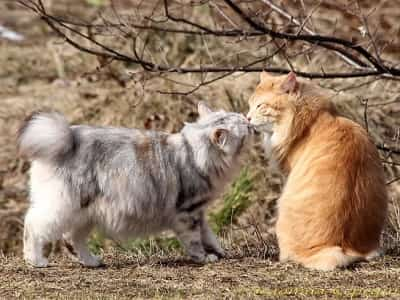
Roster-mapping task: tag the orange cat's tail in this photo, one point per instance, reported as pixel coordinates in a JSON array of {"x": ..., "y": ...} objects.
[{"x": 330, "y": 258}]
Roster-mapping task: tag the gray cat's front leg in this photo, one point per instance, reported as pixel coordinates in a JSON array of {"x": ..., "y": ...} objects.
[
  {"x": 209, "y": 239},
  {"x": 188, "y": 230}
]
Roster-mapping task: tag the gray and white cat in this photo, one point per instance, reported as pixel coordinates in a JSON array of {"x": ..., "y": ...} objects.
[{"x": 127, "y": 182}]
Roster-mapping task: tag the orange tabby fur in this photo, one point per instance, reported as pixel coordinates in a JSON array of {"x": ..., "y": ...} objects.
[{"x": 334, "y": 204}]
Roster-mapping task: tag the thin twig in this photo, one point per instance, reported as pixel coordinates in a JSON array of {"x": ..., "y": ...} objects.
[
  {"x": 315, "y": 39},
  {"x": 393, "y": 180},
  {"x": 374, "y": 67}
]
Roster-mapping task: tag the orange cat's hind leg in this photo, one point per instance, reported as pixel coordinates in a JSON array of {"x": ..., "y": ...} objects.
[{"x": 328, "y": 259}]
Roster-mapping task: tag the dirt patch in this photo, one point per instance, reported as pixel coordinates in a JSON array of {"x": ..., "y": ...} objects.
[{"x": 160, "y": 278}]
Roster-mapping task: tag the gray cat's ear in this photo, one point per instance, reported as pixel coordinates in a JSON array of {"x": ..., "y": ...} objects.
[
  {"x": 219, "y": 136},
  {"x": 203, "y": 109},
  {"x": 290, "y": 84}
]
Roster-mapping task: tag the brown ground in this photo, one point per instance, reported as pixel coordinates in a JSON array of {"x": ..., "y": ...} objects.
[
  {"x": 243, "y": 278},
  {"x": 42, "y": 73}
]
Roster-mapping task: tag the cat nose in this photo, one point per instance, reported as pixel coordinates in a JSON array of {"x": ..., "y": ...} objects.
[{"x": 248, "y": 118}]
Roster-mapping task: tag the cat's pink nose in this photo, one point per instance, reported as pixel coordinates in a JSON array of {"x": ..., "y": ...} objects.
[{"x": 248, "y": 118}]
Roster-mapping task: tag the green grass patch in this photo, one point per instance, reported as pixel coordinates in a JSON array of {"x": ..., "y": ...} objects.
[
  {"x": 96, "y": 242},
  {"x": 235, "y": 202},
  {"x": 138, "y": 247},
  {"x": 97, "y": 2},
  {"x": 150, "y": 246}
]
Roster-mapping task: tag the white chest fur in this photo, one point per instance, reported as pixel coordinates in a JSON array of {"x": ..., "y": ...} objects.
[{"x": 269, "y": 141}]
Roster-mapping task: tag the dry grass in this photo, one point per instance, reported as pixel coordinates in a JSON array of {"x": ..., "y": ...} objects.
[
  {"x": 171, "y": 278},
  {"x": 41, "y": 73}
]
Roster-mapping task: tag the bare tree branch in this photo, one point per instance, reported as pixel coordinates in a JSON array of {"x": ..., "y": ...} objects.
[
  {"x": 315, "y": 39},
  {"x": 347, "y": 57},
  {"x": 55, "y": 23},
  {"x": 269, "y": 45}
]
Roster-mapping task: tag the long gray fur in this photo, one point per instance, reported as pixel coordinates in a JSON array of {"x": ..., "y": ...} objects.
[{"x": 131, "y": 182}]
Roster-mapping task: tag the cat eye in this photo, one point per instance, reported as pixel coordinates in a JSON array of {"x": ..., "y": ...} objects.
[{"x": 259, "y": 105}]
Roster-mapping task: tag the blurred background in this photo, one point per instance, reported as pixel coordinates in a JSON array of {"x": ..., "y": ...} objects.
[{"x": 40, "y": 69}]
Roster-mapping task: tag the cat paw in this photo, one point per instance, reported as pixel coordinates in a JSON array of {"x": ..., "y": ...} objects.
[
  {"x": 374, "y": 255},
  {"x": 199, "y": 259},
  {"x": 91, "y": 261},
  {"x": 37, "y": 262},
  {"x": 218, "y": 251},
  {"x": 204, "y": 259},
  {"x": 211, "y": 258},
  {"x": 284, "y": 258}
]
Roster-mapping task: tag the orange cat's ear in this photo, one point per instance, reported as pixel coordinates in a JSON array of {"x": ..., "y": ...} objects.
[
  {"x": 290, "y": 84},
  {"x": 203, "y": 109},
  {"x": 264, "y": 76},
  {"x": 219, "y": 136}
]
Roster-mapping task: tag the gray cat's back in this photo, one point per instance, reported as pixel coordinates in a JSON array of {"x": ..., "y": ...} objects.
[
  {"x": 117, "y": 146},
  {"x": 120, "y": 159}
]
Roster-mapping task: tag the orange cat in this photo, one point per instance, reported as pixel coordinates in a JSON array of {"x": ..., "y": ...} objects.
[{"x": 334, "y": 205}]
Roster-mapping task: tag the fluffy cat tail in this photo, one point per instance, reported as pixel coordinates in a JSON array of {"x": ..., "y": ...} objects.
[
  {"x": 45, "y": 136},
  {"x": 330, "y": 258}
]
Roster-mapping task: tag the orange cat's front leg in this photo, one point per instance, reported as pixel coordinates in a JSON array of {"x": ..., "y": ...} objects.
[{"x": 285, "y": 254}]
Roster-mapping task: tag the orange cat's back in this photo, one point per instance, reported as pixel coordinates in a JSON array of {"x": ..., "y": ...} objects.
[{"x": 364, "y": 205}]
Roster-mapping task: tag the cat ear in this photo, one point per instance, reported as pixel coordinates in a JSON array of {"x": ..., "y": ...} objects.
[
  {"x": 290, "y": 84},
  {"x": 203, "y": 109},
  {"x": 264, "y": 76},
  {"x": 219, "y": 136}
]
